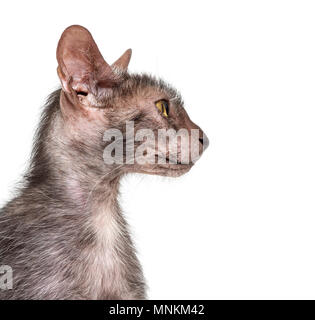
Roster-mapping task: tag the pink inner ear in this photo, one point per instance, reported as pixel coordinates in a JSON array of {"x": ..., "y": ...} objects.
[{"x": 81, "y": 63}]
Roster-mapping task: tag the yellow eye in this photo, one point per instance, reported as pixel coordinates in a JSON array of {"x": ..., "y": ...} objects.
[{"x": 162, "y": 105}]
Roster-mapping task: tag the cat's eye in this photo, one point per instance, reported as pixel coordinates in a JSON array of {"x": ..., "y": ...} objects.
[{"x": 162, "y": 105}]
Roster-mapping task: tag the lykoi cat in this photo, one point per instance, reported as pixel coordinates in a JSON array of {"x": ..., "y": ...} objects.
[{"x": 64, "y": 235}]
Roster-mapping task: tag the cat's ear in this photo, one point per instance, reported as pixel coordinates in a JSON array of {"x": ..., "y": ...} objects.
[
  {"x": 81, "y": 67},
  {"x": 123, "y": 62}
]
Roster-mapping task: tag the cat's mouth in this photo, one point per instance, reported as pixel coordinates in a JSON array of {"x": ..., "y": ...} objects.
[
  {"x": 167, "y": 160},
  {"x": 170, "y": 168}
]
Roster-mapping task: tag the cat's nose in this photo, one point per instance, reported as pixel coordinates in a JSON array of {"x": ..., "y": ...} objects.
[
  {"x": 204, "y": 141},
  {"x": 202, "y": 146}
]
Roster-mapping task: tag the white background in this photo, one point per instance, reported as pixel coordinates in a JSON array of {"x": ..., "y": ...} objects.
[{"x": 241, "y": 223}]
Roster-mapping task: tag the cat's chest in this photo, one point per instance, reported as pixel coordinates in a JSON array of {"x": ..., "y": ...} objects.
[{"x": 105, "y": 266}]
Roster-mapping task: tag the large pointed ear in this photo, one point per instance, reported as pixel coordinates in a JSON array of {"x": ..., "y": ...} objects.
[
  {"x": 81, "y": 67},
  {"x": 122, "y": 63}
]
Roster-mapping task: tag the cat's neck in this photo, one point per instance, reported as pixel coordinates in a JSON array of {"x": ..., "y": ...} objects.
[
  {"x": 63, "y": 178},
  {"x": 71, "y": 191},
  {"x": 66, "y": 169},
  {"x": 108, "y": 259}
]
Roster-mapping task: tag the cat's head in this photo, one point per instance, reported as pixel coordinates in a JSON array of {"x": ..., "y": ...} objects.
[{"x": 138, "y": 121}]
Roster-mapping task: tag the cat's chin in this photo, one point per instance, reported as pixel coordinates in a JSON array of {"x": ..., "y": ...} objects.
[{"x": 168, "y": 170}]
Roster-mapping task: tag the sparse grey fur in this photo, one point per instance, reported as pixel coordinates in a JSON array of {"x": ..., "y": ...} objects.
[
  {"x": 64, "y": 234},
  {"x": 46, "y": 233}
]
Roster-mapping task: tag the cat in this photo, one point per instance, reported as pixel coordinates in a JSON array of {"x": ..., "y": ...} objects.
[{"x": 64, "y": 235}]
